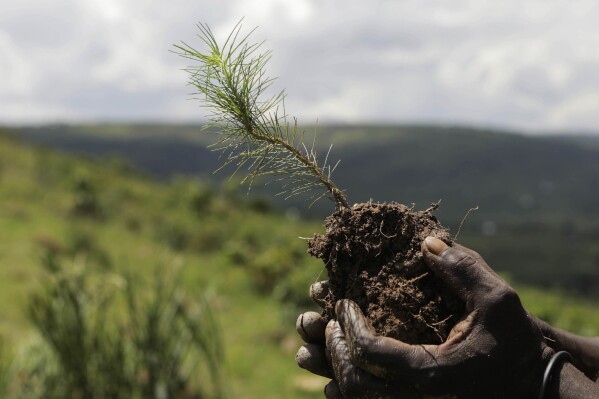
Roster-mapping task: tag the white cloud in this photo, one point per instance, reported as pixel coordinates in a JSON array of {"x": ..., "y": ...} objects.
[
  {"x": 581, "y": 109},
  {"x": 524, "y": 64},
  {"x": 16, "y": 72}
]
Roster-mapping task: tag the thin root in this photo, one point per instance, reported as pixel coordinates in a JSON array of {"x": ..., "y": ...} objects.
[
  {"x": 463, "y": 220},
  {"x": 383, "y": 234}
]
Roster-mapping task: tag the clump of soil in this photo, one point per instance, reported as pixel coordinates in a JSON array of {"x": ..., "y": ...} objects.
[{"x": 373, "y": 257}]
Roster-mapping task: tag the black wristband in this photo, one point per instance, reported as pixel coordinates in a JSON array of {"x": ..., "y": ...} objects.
[{"x": 551, "y": 366}]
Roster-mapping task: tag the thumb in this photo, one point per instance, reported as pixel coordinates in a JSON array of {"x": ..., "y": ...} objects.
[{"x": 464, "y": 274}]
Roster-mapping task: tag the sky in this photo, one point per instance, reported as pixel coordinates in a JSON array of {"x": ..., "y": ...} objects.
[{"x": 531, "y": 65}]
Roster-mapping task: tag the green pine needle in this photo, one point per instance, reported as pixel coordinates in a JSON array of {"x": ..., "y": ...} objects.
[{"x": 255, "y": 132}]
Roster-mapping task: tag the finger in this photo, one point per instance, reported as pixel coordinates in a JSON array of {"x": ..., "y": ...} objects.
[
  {"x": 319, "y": 292},
  {"x": 312, "y": 358},
  {"x": 352, "y": 381},
  {"x": 337, "y": 349},
  {"x": 466, "y": 276},
  {"x": 382, "y": 356},
  {"x": 353, "y": 322},
  {"x": 310, "y": 327}
]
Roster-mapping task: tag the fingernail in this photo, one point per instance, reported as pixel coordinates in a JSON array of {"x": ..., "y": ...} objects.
[{"x": 435, "y": 245}]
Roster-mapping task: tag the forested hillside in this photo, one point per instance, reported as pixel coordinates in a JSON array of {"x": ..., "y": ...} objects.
[{"x": 504, "y": 173}]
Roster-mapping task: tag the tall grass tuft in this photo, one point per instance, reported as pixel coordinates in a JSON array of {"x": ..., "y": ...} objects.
[{"x": 112, "y": 337}]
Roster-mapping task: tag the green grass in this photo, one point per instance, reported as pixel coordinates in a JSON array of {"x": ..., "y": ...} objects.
[
  {"x": 562, "y": 310},
  {"x": 248, "y": 259},
  {"x": 142, "y": 224}
]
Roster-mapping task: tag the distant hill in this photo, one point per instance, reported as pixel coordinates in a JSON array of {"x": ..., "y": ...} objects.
[
  {"x": 534, "y": 193},
  {"x": 505, "y": 174}
]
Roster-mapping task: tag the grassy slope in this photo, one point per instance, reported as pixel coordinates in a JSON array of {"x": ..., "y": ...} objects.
[
  {"x": 141, "y": 218},
  {"x": 251, "y": 260}
]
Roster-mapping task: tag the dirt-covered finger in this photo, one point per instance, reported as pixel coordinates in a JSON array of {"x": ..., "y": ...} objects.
[
  {"x": 352, "y": 381},
  {"x": 310, "y": 327},
  {"x": 319, "y": 292},
  {"x": 352, "y": 319},
  {"x": 337, "y": 351},
  {"x": 381, "y": 356},
  {"x": 311, "y": 357}
]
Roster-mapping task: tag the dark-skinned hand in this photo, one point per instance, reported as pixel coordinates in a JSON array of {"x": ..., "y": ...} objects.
[{"x": 496, "y": 351}]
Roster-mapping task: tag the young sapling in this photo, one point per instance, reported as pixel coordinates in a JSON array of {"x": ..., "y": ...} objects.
[
  {"x": 254, "y": 129},
  {"x": 371, "y": 250}
]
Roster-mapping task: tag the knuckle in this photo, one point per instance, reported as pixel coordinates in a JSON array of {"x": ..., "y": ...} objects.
[
  {"x": 463, "y": 260},
  {"x": 509, "y": 296},
  {"x": 506, "y": 297}
]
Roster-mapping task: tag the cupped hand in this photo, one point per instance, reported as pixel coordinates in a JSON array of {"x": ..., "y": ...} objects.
[
  {"x": 314, "y": 357},
  {"x": 496, "y": 350}
]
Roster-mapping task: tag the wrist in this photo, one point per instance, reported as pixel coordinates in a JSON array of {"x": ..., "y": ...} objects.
[
  {"x": 571, "y": 383},
  {"x": 584, "y": 350},
  {"x": 568, "y": 382},
  {"x": 552, "y": 375},
  {"x": 526, "y": 375},
  {"x": 538, "y": 372}
]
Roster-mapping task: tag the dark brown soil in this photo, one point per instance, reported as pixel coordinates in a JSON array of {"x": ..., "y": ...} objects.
[{"x": 372, "y": 255}]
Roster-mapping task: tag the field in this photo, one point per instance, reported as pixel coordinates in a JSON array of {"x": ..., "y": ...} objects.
[{"x": 245, "y": 253}]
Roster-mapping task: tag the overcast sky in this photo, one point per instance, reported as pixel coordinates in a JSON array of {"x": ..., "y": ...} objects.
[{"x": 531, "y": 64}]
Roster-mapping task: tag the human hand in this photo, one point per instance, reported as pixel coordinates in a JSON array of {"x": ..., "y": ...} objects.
[
  {"x": 314, "y": 358},
  {"x": 584, "y": 350},
  {"x": 495, "y": 351},
  {"x": 313, "y": 355},
  {"x": 311, "y": 327}
]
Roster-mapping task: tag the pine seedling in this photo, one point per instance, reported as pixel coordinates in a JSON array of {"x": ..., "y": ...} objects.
[
  {"x": 255, "y": 132},
  {"x": 372, "y": 251}
]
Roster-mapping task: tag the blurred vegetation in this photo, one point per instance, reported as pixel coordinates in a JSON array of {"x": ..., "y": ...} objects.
[
  {"x": 537, "y": 196},
  {"x": 228, "y": 245},
  {"x": 156, "y": 343},
  {"x": 125, "y": 231}
]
